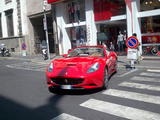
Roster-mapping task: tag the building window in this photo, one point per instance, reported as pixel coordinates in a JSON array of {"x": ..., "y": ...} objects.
[
  {"x": 77, "y": 36},
  {"x": 149, "y": 4},
  {"x": 150, "y": 27},
  {"x": 75, "y": 11},
  {"x": 0, "y": 27},
  {"x": 9, "y": 19},
  {"x": 150, "y": 24},
  {"x": 7, "y": 1},
  {"x": 114, "y": 33}
]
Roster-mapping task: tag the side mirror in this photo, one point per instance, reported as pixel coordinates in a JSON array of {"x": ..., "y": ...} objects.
[
  {"x": 69, "y": 51},
  {"x": 64, "y": 55},
  {"x": 112, "y": 53}
]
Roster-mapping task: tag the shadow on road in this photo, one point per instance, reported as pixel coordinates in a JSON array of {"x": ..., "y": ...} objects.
[
  {"x": 11, "y": 110},
  {"x": 77, "y": 92}
]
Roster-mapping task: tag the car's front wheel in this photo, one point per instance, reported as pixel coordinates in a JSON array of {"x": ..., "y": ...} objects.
[{"x": 105, "y": 79}]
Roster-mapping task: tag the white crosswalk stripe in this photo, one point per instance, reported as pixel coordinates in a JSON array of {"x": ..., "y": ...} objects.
[
  {"x": 123, "y": 111},
  {"x": 65, "y": 116},
  {"x": 137, "y": 78},
  {"x": 150, "y": 74},
  {"x": 140, "y": 86},
  {"x": 133, "y": 96},
  {"x": 120, "y": 110},
  {"x": 150, "y": 70}
]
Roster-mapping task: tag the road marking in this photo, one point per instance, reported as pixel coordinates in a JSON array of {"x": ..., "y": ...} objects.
[
  {"x": 133, "y": 96},
  {"x": 136, "y": 78},
  {"x": 65, "y": 116},
  {"x": 120, "y": 110},
  {"x": 128, "y": 73},
  {"x": 150, "y": 74},
  {"x": 150, "y": 70},
  {"x": 140, "y": 86}
]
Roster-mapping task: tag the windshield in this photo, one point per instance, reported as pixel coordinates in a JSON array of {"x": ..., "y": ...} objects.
[{"x": 87, "y": 52}]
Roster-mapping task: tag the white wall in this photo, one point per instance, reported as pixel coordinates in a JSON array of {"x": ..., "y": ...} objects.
[
  {"x": 63, "y": 38},
  {"x": 35, "y": 6},
  {"x": 4, "y": 7},
  {"x": 24, "y": 17},
  {"x": 11, "y": 42},
  {"x": 90, "y": 23}
]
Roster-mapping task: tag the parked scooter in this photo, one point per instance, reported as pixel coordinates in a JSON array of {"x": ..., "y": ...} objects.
[
  {"x": 44, "y": 53},
  {"x": 4, "y": 52},
  {"x": 44, "y": 50}
]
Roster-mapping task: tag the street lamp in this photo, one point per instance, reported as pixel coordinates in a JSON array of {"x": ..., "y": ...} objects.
[{"x": 45, "y": 27}]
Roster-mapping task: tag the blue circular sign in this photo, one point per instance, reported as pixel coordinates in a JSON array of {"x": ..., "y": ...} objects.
[{"x": 132, "y": 42}]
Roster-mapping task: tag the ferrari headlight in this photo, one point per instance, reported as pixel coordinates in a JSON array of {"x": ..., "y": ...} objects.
[
  {"x": 93, "y": 68},
  {"x": 50, "y": 67}
]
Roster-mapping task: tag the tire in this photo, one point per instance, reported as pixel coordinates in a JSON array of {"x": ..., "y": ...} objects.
[
  {"x": 154, "y": 50},
  {"x": 105, "y": 79},
  {"x": 144, "y": 51},
  {"x": 45, "y": 57},
  {"x": 8, "y": 54},
  {"x": 116, "y": 66},
  {"x": 50, "y": 89}
]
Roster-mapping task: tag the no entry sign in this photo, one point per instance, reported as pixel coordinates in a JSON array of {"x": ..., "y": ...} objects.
[{"x": 132, "y": 42}]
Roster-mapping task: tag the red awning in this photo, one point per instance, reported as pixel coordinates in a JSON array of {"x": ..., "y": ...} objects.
[{"x": 53, "y": 1}]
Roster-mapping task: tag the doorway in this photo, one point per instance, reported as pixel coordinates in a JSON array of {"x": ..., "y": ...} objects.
[
  {"x": 108, "y": 33},
  {"x": 39, "y": 33}
]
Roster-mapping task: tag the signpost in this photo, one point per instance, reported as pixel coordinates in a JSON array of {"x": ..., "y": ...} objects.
[
  {"x": 45, "y": 27},
  {"x": 132, "y": 43}
]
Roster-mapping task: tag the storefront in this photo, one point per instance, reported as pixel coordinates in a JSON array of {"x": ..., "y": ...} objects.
[{"x": 92, "y": 22}]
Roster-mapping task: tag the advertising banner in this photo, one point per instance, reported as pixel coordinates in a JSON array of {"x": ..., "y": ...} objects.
[
  {"x": 104, "y": 10},
  {"x": 53, "y": 1},
  {"x": 148, "y": 39}
]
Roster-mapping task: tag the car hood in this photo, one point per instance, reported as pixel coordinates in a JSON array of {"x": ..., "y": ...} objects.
[{"x": 74, "y": 65}]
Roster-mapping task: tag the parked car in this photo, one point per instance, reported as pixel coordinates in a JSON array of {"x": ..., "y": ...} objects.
[{"x": 84, "y": 67}]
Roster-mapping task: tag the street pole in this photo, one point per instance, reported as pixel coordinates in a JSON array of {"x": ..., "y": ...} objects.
[
  {"x": 55, "y": 31},
  {"x": 45, "y": 28}
]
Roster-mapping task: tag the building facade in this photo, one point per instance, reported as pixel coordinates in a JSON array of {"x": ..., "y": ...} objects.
[
  {"x": 91, "y": 22},
  {"x": 35, "y": 23},
  {"x": 12, "y": 24},
  {"x": 21, "y": 25}
]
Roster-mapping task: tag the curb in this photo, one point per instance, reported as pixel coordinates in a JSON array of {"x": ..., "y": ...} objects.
[
  {"x": 140, "y": 67},
  {"x": 14, "y": 58},
  {"x": 151, "y": 58}
]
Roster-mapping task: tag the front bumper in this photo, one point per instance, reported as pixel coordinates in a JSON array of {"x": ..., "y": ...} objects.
[{"x": 89, "y": 81}]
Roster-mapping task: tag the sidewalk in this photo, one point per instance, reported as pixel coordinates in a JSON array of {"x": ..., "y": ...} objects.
[
  {"x": 34, "y": 58},
  {"x": 148, "y": 62}
]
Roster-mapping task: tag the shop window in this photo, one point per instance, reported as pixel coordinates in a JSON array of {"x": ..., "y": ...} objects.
[
  {"x": 150, "y": 34},
  {"x": 0, "y": 27},
  {"x": 113, "y": 35},
  {"x": 150, "y": 24},
  {"x": 75, "y": 11},
  {"x": 9, "y": 19},
  {"x": 149, "y": 4},
  {"x": 77, "y": 36},
  {"x": 105, "y": 9}
]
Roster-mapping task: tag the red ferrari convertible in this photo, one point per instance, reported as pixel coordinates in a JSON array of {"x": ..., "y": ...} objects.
[{"x": 84, "y": 67}]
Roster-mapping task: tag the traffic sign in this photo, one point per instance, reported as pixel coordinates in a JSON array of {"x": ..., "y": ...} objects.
[{"x": 132, "y": 42}]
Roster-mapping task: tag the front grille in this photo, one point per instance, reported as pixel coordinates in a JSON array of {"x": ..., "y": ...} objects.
[{"x": 67, "y": 81}]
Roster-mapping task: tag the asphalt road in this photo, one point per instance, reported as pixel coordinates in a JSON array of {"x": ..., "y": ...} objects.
[{"x": 132, "y": 94}]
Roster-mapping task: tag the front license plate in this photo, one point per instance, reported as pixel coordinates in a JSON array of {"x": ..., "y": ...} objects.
[{"x": 67, "y": 87}]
